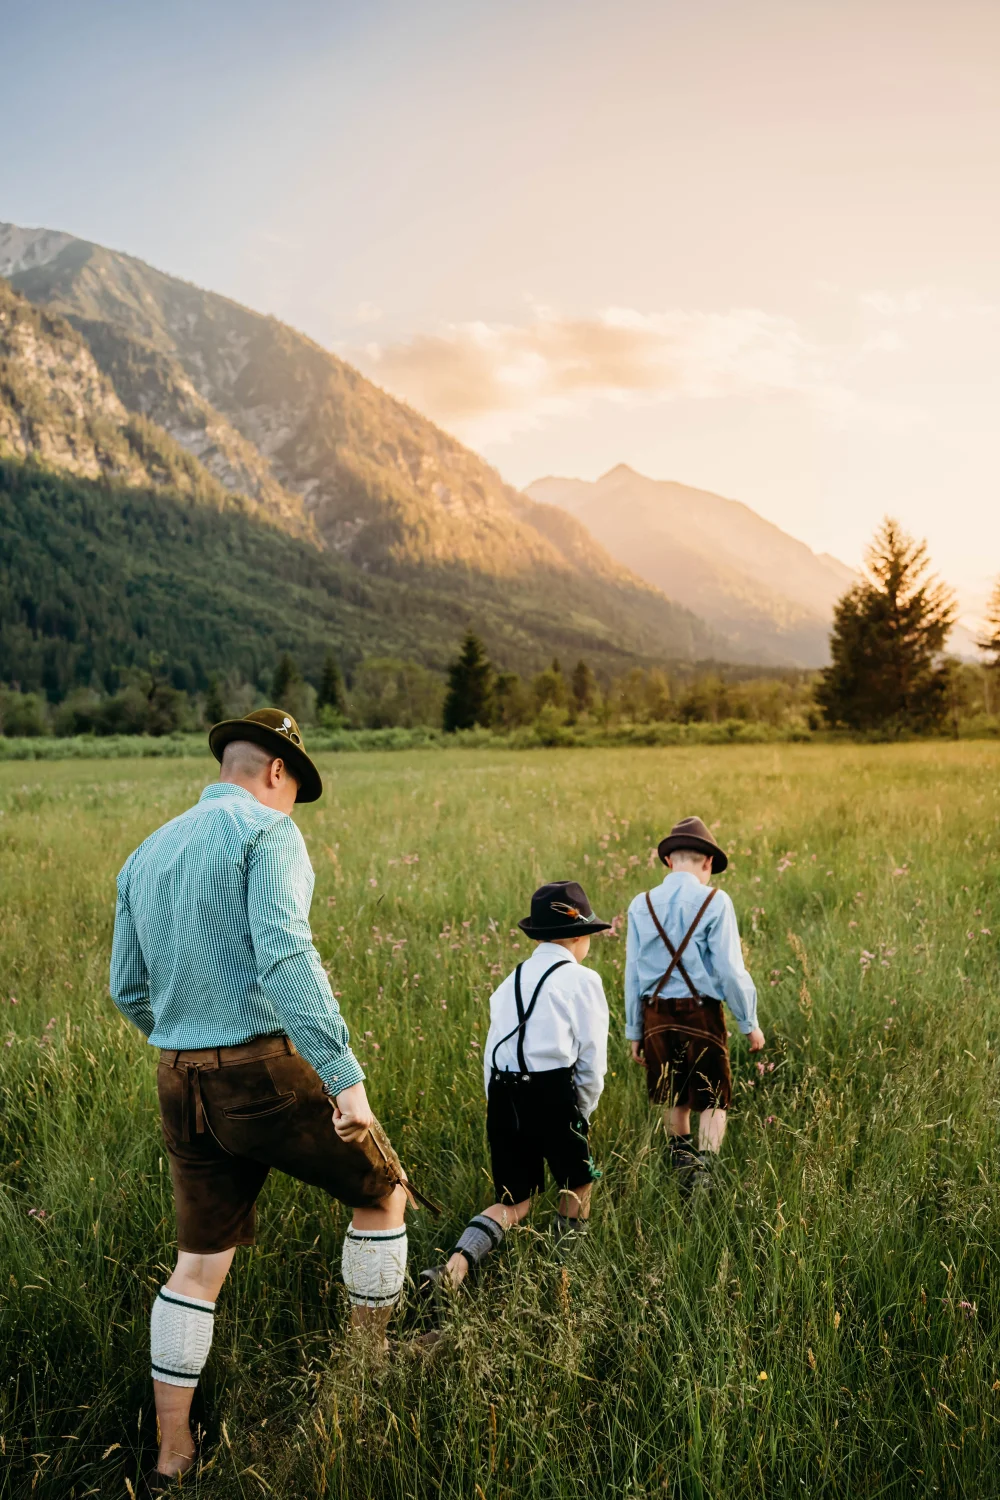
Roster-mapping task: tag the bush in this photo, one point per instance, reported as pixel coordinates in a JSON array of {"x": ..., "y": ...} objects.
[{"x": 23, "y": 714}]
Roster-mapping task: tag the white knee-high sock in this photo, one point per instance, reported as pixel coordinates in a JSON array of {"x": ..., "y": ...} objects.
[
  {"x": 180, "y": 1336},
  {"x": 373, "y": 1265}
]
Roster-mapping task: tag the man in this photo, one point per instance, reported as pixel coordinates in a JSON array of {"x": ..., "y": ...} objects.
[
  {"x": 213, "y": 960},
  {"x": 682, "y": 959}
]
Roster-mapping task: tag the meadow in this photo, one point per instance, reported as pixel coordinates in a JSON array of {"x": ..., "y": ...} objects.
[{"x": 825, "y": 1326}]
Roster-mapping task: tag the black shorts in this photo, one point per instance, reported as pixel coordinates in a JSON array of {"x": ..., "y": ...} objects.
[{"x": 531, "y": 1119}]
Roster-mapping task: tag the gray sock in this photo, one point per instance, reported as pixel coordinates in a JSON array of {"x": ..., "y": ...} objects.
[
  {"x": 566, "y": 1231},
  {"x": 480, "y": 1237}
]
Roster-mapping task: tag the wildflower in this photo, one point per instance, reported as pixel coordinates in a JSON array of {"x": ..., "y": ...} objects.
[
  {"x": 771, "y": 1120},
  {"x": 372, "y": 881},
  {"x": 762, "y": 1375},
  {"x": 37, "y": 1213},
  {"x": 968, "y": 1308}
]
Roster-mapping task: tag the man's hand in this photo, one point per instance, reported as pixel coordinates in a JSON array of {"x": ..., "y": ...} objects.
[
  {"x": 756, "y": 1040},
  {"x": 637, "y": 1056},
  {"x": 352, "y": 1114}
]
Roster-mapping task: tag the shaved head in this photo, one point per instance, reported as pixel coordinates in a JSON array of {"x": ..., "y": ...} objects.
[{"x": 245, "y": 760}]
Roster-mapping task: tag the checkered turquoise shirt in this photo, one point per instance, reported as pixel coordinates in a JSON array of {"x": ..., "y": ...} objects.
[{"x": 212, "y": 942}]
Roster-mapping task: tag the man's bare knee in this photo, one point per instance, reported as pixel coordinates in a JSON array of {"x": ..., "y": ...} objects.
[{"x": 387, "y": 1213}]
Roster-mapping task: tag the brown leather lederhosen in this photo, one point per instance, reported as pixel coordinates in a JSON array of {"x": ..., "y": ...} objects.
[{"x": 685, "y": 1046}]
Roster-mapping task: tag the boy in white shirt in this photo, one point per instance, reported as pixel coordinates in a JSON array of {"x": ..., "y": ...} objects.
[{"x": 544, "y": 1062}]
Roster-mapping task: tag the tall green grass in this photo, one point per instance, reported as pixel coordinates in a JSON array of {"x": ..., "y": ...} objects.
[{"x": 849, "y": 1256}]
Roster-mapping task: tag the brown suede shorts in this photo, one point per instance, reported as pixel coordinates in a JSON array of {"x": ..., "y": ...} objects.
[
  {"x": 686, "y": 1052},
  {"x": 229, "y": 1115}
]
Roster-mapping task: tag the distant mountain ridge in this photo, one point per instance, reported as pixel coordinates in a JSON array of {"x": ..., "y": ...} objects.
[
  {"x": 767, "y": 592},
  {"x": 303, "y": 443}
]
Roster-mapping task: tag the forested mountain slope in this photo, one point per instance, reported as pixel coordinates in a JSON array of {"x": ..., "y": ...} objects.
[
  {"x": 326, "y": 453},
  {"x": 117, "y": 545}
]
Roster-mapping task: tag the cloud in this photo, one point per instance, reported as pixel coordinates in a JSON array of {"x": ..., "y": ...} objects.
[{"x": 490, "y": 380}]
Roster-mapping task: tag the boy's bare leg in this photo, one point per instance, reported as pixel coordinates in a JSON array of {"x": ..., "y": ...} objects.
[
  {"x": 677, "y": 1120},
  {"x": 198, "y": 1276},
  {"x": 370, "y": 1323},
  {"x": 574, "y": 1203},
  {"x": 505, "y": 1214},
  {"x": 711, "y": 1129}
]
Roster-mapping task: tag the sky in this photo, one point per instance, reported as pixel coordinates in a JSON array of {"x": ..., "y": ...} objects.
[{"x": 746, "y": 244}]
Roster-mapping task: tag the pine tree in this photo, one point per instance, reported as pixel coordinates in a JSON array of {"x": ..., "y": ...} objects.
[
  {"x": 990, "y": 639},
  {"x": 583, "y": 687},
  {"x": 467, "y": 702},
  {"x": 888, "y": 633},
  {"x": 215, "y": 703},
  {"x": 286, "y": 675},
  {"x": 331, "y": 686}
]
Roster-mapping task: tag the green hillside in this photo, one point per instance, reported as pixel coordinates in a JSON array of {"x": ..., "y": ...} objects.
[
  {"x": 323, "y": 451},
  {"x": 94, "y": 578}
]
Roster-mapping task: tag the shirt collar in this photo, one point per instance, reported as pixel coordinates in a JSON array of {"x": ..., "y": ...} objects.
[
  {"x": 556, "y": 950},
  {"x": 226, "y": 789}
]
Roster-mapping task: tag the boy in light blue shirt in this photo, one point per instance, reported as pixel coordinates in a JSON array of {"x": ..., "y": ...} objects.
[{"x": 683, "y": 959}]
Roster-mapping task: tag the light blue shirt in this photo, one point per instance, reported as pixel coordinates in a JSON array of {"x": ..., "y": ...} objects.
[
  {"x": 212, "y": 941},
  {"x": 713, "y": 958}
]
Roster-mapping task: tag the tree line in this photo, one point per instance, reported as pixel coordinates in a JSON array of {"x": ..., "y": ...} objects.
[{"x": 888, "y": 674}]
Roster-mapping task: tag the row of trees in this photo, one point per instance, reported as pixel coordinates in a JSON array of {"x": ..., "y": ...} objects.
[
  {"x": 888, "y": 673},
  {"x": 478, "y": 695}
]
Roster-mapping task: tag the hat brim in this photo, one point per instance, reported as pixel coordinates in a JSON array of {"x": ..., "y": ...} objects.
[
  {"x": 301, "y": 767},
  {"x": 690, "y": 841},
  {"x": 571, "y": 929}
]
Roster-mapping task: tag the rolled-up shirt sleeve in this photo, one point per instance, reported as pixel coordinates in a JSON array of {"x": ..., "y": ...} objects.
[
  {"x": 129, "y": 975},
  {"x": 726, "y": 958},
  {"x": 289, "y": 969},
  {"x": 633, "y": 999}
]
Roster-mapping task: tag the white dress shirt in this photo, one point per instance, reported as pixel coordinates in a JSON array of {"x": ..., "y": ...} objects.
[{"x": 568, "y": 1026}]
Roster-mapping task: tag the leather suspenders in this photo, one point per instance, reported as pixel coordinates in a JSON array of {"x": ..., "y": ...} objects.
[
  {"x": 676, "y": 954},
  {"x": 524, "y": 1016}
]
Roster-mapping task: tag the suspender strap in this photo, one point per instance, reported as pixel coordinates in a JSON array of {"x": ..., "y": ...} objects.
[
  {"x": 524, "y": 1016},
  {"x": 677, "y": 953}
]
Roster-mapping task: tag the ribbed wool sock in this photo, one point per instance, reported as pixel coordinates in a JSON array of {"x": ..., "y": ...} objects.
[
  {"x": 480, "y": 1237},
  {"x": 373, "y": 1265},
  {"x": 180, "y": 1336}
]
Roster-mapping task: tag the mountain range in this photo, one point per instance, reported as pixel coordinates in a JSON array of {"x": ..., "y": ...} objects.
[
  {"x": 392, "y": 535},
  {"x": 766, "y": 593}
]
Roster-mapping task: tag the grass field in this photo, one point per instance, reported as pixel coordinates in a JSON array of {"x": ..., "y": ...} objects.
[{"x": 826, "y": 1327}]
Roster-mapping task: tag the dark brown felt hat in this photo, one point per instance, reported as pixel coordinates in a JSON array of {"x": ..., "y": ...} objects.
[
  {"x": 561, "y": 910},
  {"x": 691, "y": 833},
  {"x": 276, "y": 731}
]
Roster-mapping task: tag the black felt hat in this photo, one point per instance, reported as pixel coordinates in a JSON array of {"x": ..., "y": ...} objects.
[
  {"x": 276, "y": 731},
  {"x": 691, "y": 833},
  {"x": 561, "y": 910}
]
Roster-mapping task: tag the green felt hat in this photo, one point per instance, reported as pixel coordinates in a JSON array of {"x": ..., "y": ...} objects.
[{"x": 276, "y": 731}]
